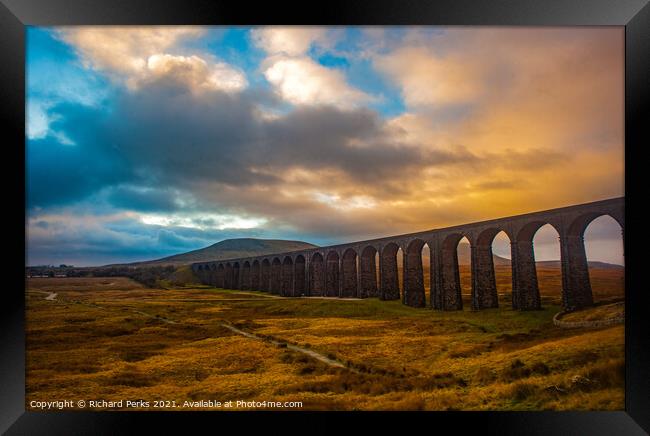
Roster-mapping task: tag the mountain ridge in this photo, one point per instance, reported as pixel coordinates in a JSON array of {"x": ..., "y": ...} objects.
[{"x": 228, "y": 249}]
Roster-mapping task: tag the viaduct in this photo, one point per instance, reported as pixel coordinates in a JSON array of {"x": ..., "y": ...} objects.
[{"x": 350, "y": 270}]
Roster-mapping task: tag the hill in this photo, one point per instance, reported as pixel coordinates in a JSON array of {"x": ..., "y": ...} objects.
[
  {"x": 228, "y": 249},
  {"x": 464, "y": 259},
  {"x": 464, "y": 255}
]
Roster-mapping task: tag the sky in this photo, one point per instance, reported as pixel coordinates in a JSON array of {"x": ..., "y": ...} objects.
[{"x": 144, "y": 142}]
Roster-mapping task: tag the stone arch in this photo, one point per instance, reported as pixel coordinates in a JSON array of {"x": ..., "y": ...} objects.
[
  {"x": 595, "y": 245},
  {"x": 211, "y": 276},
  {"x": 221, "y": 276},
  {"x": 349, "y": 279},
  {"x": 332, "y": 278},
  {"x": 451, "y": 291},
  {"x": 414, "y": 294},
  {"x": 255, "y": 275},
  {"x": 527, "y": 232},
  {"x": 286, "y": 289},
  {"x": 236, "y": 277},
  {"x": 317, "y": 275},
  {"x": 579, "y": 224},
  {"x": 389, "y": 272},
  {"x": 275, "y": 279},
  {"x": 265, "y": 276},
  {"x": 228, "y": 280},
  {"x": 246, "y": 275},
  {"x": 201, "y": 274},
  {"x": 368, "y": 273},
  {"x": 576, "y": 283},
  {"x": 484, "y": 284},
  {"x": 299, "y": 276},
  {"x": 525, "y": 286}
]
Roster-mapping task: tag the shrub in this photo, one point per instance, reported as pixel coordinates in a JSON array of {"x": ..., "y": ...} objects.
[
  {"x": 608, "y": 374},
  {"x": 540, "y": 368},
  {"x": 522, "y": 390},
  {"x": 485, "y": 376},
  {"x": 516, "y": 370},
  {"x": 307, "y": 369}
]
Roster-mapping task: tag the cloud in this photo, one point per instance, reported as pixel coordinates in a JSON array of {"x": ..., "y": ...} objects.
[
  {"x": 301, "y": 81},
  {"x": 426, "y": 79},
  {"x": 142, "y": 54},
  {"x": 162, "y": 135},
  {"x": 196, "y": 73},
  {"x": 296, "y": 77},
  {"x": 74, "y": 236},
  {"x": 144, "y": 198},
  {"x": 291, "y": 41},
  {"x": 124, "y": 49},
  {"x": 493, "y": 87}
]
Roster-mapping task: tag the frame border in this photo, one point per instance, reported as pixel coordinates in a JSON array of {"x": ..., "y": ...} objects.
[{"x": 633, "y": 14}]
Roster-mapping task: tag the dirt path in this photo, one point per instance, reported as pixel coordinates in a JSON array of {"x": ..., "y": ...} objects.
[
  {"x": 311, "y": 353},
  {"x": 302, "y": 350},
  {"x": 50, "y": 295}
]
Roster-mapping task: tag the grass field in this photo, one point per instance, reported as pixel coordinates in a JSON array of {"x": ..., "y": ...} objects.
[{"x": 113, "y": 340}]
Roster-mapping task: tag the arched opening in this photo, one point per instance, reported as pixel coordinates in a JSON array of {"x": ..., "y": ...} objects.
[
  {"x": 548, "y": 265},
  {"x": 275, "y": 281},
  {"x": 414, "y": 294},
  {"x": 594, "y": 243},
  {"x": 332, "y": 275},
  {"x": 536, "y": 266},
  {"x": 228, "y": 280},
  {"x": 451, "y": 297},
  {"x": 265, "y": 276},
  {"x": 349, "y": 273},
  {"x": 211, "y": 274},
  {"x": 287, "y": 277},
  {"x": 255, "y": 275},
  {"x": 390, "y": 282},
  {"x": 491, "y": 272},
  {"x": 368, "y": 273},
  {"x": 299, "y": 282},
  {"x": 464, "y": 253},
  {"x": 399, "y": 257},
  {"x": 502, "y": 260},
  {"x": 317, "y": 275},
  {"x": 200, "y": 274},
  {"x": 221, "y": 276},
  {"x": 246, "y": 276},
  {"x": 426, "y": 272},
  {"x": 236, "y": 278}
]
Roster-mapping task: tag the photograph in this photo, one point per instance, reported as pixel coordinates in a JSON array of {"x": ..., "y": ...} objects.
[{"x": 325, "y": 218}]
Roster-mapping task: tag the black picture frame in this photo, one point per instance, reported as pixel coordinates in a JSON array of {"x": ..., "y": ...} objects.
[{"x": 633, "y": 14}]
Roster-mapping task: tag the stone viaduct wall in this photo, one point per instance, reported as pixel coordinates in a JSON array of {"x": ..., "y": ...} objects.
[{"x": 350, "y": 270}]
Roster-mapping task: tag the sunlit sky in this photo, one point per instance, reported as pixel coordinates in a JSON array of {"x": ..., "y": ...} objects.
[{"x": 144, "y": 142}]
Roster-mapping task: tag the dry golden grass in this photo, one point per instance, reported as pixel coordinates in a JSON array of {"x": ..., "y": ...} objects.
[
  {"x": 599, "y": 312},
  {"x": 121, "y": 341}
]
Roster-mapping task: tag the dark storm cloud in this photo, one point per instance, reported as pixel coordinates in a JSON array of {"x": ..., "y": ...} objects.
[
  {"x": 60, "y": 174},
  {"x": 143, "y": 199},
  {"x": 165, "y": 137},
  {"x": 355, "y": 142}
]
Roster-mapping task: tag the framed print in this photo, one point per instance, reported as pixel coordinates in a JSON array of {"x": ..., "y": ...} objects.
[{"x": 362, "y": 210}]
